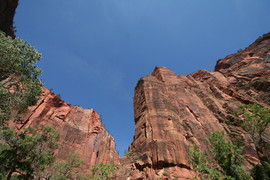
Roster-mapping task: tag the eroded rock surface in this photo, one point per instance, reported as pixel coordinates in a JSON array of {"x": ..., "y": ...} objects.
[
  {"x": 173, "y": 112},
  {"x": 81, "y": 131}
]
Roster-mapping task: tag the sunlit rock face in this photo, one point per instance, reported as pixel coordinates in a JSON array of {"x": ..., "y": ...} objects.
[
  {"x": 173, "y": 112},
  {"x": 7, "y": 12},
  {"x": 80, "y": 129}
]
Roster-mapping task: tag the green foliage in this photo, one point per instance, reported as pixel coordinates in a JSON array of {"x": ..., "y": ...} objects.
[
  {"x": 256, "y": 119},
  {"x": 128, "y": 153},
  {"x": 103, "y": 171},
  {"x": 165, "y": 173},
  {"x": 202, "y": 164},
  {"x": 19, "y": 82},
  {"x": 27, "y": 151},
  {"x": 63, "y": 170},
  {"x": 261, "y": 172},
  {"x": 228, "y": 156},
  {"x": 198, "y": 159}
]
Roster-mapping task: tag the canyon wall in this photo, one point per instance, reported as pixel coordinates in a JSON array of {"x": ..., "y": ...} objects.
[
  {"x": 174, "y": 112},
  {"x": 80, "y": 130}
]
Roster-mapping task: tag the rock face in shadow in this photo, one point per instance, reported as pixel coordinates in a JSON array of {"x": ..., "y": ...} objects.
[
  {"x": 7, "y": 12},
  {"x": 173, "y": 112},
  {"x": 81, "y": 131}
]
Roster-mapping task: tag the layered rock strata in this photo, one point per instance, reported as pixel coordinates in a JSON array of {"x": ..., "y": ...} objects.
[
  {"x": 173, "y": 112},
  {"x": 81, "y": 131}
]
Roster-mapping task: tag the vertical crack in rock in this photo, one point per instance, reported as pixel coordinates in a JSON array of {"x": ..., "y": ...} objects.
[{"x": 180, "y": 111}]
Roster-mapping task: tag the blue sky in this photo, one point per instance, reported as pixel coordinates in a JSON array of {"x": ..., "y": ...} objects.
[{"x": 95, "y": 51}]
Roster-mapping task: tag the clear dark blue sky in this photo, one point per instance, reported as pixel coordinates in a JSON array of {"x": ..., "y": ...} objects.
[{"x": 95, "y": 51}]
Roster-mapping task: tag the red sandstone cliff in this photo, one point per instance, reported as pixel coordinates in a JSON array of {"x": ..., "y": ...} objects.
[
  {"x": 81, "y": 131},
  {"x": 173, "y": 112}
]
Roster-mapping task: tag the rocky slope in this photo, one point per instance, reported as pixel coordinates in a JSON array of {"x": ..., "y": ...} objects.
[{"x": 173, "y": 112}]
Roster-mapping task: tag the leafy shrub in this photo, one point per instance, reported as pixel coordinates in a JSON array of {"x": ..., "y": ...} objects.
[
  {"x": 103, "y": 171},
  {"x": 228, "y": 156},
  {"x": 165, "y": 173},
  {"x": 129, "y": 153},
  {"x": 202, "y": 164}
]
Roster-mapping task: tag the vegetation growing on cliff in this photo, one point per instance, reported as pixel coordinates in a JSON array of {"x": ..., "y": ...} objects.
[
  {"x": 20, "y": 86},
  {"x": 29, "y": 153},
  {"x": 62, "y": 170},
  {"x": 103, "y": 171},
  {"x": 228, "y": 156},
  {"x": 255, "y": 119},
  {"x": 26, "y": 152}
]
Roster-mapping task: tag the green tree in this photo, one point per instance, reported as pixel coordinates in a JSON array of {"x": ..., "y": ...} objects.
[
  {"x": 19, "y": 82},
  {"x": 203, "y": 164},
  {"x": 228, "y": 156},
  {"x": 103, "y": 171},
  {"x": 27, "y": 151},
  {"x": 64, "y": 169},
  {"x": 255, "y": 120}
]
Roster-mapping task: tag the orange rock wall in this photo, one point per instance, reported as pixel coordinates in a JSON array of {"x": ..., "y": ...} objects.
[
  {"x": 81, "y": 131},
  {"x": 173, "y": 112}
]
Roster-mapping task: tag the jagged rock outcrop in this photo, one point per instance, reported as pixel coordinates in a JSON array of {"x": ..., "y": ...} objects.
[
  {"x": 7, "y": 12},
  {"x": 173, "y": 112},
  {"x": 81, "y": 131}
]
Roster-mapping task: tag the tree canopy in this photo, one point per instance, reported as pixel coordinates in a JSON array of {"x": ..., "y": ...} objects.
[{"x": 20, "y": 86}]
